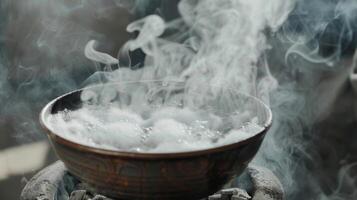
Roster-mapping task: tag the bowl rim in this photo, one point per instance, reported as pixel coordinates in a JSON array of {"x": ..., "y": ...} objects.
[{"x": 55, "y": 137}]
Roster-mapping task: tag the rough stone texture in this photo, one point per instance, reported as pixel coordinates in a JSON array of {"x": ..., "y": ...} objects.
[
  {"x": 230, "y": 194},
  {"x": 100, "y": 197},
  {"x": 85, "y": 195},
  {"x": 78, "y": 195},
  {"x": 215, "y": 197},
  {"x": 266, "y": 185},
  {"x": 43, "y": 186},
  {"x": 54, "y": 182}
]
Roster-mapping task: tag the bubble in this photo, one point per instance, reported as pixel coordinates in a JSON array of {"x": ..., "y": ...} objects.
[{"x": 167, "y": 129}]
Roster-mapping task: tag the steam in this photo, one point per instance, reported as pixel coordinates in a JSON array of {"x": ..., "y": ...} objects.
[
  {"x": 327, "y": 29},
  {"x": 221, "y": 49},
  {"x": 281, "y": 51},
  {"x": 223, "y": 43},
  {"x": 221, "y": 46},
  {"x": 96, "y": 56},
  {"x": 316, "y": 40}
]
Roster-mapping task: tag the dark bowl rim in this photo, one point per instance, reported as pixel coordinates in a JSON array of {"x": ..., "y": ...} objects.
[{"x": 142, "y": 155}]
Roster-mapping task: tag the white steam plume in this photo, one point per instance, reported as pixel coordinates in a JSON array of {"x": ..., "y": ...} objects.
[
  {"x": 222, "y": 43},
  {"x": 223, "y": 47},
  {"x": 94, "y": 55},
  {"x": 45, "y": 38}
]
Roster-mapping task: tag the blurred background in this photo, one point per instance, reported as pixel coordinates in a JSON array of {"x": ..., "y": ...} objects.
[{"x": 41, "y": 57}]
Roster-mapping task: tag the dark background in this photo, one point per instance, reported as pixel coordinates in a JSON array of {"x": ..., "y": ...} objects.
[{"x": 41, "y": 57}]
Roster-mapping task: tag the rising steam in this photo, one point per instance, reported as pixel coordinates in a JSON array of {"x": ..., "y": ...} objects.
[
  {"x": 221, "y": 45},
  {"x": 290, "y": 54}
]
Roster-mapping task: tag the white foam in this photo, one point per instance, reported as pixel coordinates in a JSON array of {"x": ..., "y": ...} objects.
[{"x": 167, "y": 129}]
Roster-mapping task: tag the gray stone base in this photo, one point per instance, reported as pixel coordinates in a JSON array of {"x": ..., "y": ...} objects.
[{"x": 55, "y": 183}]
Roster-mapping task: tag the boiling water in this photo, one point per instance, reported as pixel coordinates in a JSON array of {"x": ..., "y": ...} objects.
[{"x": 165, "y": 129}]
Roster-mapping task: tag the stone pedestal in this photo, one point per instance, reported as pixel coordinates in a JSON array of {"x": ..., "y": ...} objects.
[{"x": 54, "y": 182}]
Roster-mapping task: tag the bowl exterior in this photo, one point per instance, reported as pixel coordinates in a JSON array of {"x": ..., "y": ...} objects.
[
  {"x": 190, "y": 177},
  {"x": 160, "y": 176}
]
